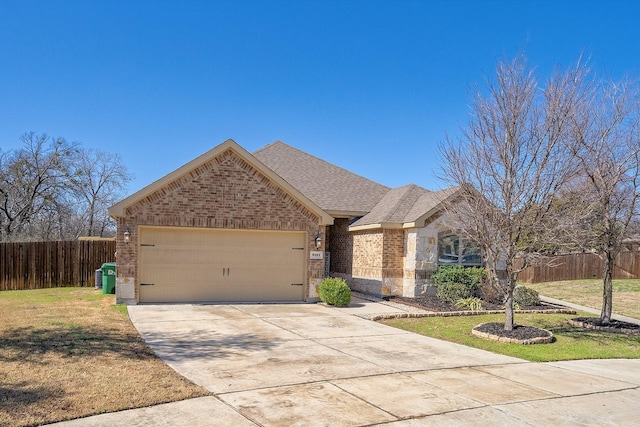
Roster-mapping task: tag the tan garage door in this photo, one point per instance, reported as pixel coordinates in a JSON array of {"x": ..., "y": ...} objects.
[{"x": 204, "y": 265}]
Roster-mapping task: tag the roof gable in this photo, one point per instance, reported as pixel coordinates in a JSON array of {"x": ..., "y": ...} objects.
[
  {"x": 393, "y": 207},
  {"x": 118, "y": 210},
  {"x": 334, "y": 189},
  {"x": 404, "y": 207}
]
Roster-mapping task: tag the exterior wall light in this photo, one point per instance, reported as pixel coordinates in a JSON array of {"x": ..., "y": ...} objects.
[
  {"x": 127, "y": 235},
  {"x": 318, "y": 240}
]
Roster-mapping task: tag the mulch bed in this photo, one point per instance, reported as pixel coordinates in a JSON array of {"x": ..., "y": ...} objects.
[
  {"x": 520, "y": 334},
  {"x": 614, "y": 326},
  {"x": 494, "y": 331}
]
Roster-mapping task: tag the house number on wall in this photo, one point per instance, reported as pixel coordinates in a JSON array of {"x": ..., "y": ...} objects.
[{"x": 315, "y": 255}]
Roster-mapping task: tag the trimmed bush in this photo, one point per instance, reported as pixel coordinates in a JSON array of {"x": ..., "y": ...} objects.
[
  {"x": 525, "y": 297},
  {"x": 452, "y": 291},
  {"x": 335, "y": 291},
  {"x": 455, "y": 282}
]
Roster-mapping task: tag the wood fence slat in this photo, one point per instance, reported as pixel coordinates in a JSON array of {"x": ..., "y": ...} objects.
[
  {"x": 37, "y": 265},
  {"x": 580, "y": 266}
]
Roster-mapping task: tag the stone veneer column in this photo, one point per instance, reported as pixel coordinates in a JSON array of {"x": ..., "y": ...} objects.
[{"x": 421, "y": 259}]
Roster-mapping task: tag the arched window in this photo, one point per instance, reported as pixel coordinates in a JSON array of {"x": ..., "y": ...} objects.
[{"x": 452, "y": 249}]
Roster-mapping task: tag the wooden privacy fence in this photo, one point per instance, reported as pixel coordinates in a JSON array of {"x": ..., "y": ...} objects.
[
  {"x": 581, "y": 266},
  {"x": 37, "y": 265}
]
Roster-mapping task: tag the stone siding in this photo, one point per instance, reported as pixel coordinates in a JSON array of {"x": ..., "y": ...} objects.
[
  {"x": 421, "y": 258},
  {"x": 227, "y": 193}
]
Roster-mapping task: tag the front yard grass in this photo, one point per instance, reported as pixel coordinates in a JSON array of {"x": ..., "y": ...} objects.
[
  {"x": 570, "y": 343},
  {"x": 67, "y": 353},
  {"x": 588, "y": 293}
]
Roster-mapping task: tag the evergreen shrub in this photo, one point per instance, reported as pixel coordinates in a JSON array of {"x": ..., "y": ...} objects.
[
  {"x": 335, "y": 291},
  {"x": 525, "y": 297},
  {"x": 455, "y": 282}
]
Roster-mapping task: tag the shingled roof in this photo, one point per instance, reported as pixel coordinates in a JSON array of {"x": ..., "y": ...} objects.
[
  {"x": 407, "y": 205},
  {"x": 334, "y": 189}
]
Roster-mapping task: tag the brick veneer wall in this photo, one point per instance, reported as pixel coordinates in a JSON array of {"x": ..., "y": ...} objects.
[
  {"x": 367, "y": 254},
  {"x": 378, "y": 261},
  {"x": 226, "y": 192},
  {"x": 394, "y": 251},
  {"x": 340, "y": 245}
]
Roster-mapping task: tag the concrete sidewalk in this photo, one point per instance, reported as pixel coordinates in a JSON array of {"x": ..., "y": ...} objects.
[{"x": 312, "y": 365}]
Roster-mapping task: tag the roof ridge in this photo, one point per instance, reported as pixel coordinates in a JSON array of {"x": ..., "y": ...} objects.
[
  {"x": 278, "y": 142},
  {"x": 406, "y": 192},
  {"x": 423, "y": 192},
  {"x": 332, "y": 187},
  {"x": 267, "y": 146}
]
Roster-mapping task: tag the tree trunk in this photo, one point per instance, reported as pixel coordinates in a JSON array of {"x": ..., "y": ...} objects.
[
  {"x": 508, "y": 308},
  {"x": 92, "y": 213},
  {"x": 607, "y": 288}
]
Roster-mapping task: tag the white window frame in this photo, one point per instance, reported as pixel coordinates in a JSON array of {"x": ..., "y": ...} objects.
[{"x": 457, "y": 251}]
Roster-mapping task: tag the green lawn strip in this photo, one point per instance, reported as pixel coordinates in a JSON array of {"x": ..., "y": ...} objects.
[
  {"x": 570, "y": 343},
  {"x": 588, "y": 293}
]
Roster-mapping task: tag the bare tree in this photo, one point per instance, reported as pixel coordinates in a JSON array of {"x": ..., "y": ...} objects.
[
  {"x": 98, "y": 180},
  {"x": 51, "y": 189},
  {"x": 605, "y": 139},
  {"x": 61, "y": 219},
  {"x": 509, "y": 163},
  {"x": 31, "y": 180}
]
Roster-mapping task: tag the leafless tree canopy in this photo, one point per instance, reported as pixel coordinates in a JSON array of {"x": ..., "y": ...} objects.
[
  {"x": 545, "y": 168},
  {"x": 605, "y": 141},
  {"x": 51, "y": 190},
  {"x": 97, "y": 179},
  {"x": 509, "y": 163}
]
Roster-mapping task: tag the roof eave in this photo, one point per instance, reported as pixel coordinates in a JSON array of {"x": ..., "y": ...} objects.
[
  {"x": 118, "y": 210},
  {"x": 422, "y": 220},
  {"x": 346, "y": 214},
  {"x": 380, "y": 225},
  {"x": 365, "y": 227},
  {"x": 436, "y": 210}
]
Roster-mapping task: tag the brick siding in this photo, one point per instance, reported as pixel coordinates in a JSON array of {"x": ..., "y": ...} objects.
[
  {"x": 378, "y": 261},
  {"x": 340, "y": 244},
  {"x": 367, "y": 254},
  {"x": 226, "y": 193}
]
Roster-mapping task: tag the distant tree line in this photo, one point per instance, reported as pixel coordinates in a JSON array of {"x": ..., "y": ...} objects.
[{"x": 51, "y": 189}]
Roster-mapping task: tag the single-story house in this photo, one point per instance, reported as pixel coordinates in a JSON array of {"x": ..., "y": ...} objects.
[{"x": 234, "y": 226}]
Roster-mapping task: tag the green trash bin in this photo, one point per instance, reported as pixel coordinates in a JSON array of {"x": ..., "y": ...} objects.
[{"x": 109, "y": 278}]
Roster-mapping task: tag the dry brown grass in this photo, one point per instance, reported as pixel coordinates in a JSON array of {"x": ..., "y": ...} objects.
[
  {"x": 588, "y": 293},
  {"x": 70, "y": 352}
]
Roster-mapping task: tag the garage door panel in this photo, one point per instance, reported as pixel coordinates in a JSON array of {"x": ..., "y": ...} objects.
[
  {"x": 211, "y": 292},
  {"x": 183, "y": 258},
  {"x": 191, "y": 265}
]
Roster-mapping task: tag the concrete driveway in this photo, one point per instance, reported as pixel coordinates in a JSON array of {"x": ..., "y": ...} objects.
[{"x": 312, "y": 365}]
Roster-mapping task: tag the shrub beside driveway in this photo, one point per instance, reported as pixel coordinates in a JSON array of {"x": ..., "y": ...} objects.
[{"x": 70, "y": 352}]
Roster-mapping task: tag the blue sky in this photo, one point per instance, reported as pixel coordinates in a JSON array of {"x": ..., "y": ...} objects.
[{"x": 372, "y": 86}]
